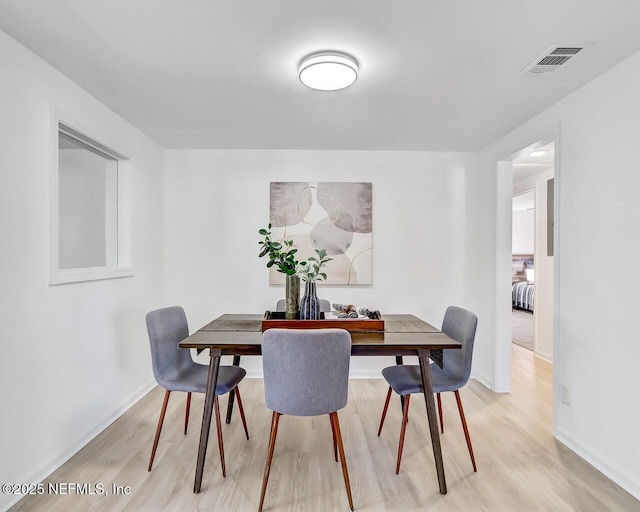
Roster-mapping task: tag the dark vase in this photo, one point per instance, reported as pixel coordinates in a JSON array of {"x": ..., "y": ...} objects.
[
  {"x": 310, "y": 306},
  {"x": 292, "y": 297}
]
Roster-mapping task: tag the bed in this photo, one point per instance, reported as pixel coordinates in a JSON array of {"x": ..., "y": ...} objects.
[{"x": 522, "y": 278}]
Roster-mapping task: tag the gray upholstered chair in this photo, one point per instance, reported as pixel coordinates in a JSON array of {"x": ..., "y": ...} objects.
[
  {"x": 325, "y": 305},
  {"x": 175, "y": 370},
  {"x": 306, "y": 373},
  {"x": 460, "y": 325}
]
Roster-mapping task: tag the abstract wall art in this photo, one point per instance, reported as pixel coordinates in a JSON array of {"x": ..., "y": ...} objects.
[{"x": 335, "y": 216}]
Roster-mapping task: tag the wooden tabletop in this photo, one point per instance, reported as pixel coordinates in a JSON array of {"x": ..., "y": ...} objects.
[{"x": 248, "y": 341}]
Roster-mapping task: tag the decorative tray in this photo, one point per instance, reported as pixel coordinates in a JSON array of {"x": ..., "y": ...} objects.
[{"x": 276, "y": 320}]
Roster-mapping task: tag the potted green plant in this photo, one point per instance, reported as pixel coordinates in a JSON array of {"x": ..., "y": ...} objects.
[{"x": 282, "y": 255}]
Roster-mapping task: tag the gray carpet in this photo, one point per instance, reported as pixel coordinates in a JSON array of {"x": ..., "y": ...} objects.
[{"x": 522, "y": 328}]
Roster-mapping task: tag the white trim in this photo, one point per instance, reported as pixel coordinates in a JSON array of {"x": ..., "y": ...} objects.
[
  {"x": 54, "y": 250},
  {"x": 368, "y": 373},
  {"x": 485, "y": 382},
  {"x": 504, "y": 219},
  {"x": 544, "y": 357},
  {"x": 90, "y": 142},
  {"x": 48, "y": 467},
  {"x": 502, "y": 368},
  {"x": 557, "y": 345},
  {"x": 618, "y": 476},
  {"x": 61, "y": 122},
  {"x": 64, "y": 276}
]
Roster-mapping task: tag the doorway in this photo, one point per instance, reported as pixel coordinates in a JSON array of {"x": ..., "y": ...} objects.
[
  {"x": 532, "y": 249},
  {"x": 523, "y": 269}
]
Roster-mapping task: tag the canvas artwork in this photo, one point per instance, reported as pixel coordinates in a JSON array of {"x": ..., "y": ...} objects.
[{"x": 335, "y": 216}]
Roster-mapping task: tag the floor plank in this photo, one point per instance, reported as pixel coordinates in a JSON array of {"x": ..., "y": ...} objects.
[{"x": 520, "y": 465}]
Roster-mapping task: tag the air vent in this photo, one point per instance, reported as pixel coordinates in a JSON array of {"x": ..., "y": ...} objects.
[
  {"x": 565, "y": 51},
  {"x": 553, "y": 58}
]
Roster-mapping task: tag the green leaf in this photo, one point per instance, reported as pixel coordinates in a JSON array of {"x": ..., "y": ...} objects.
[
  {"x": 324, "y": 276},
  {"x": 264, "y": 251},
  {"x": 263, "y": 232},
  {"x": 269, "y": 225},
  {"x": 311, "y": 258},
  {"x": 270, "y": 264},
  {"x": 276, "y": 245}
]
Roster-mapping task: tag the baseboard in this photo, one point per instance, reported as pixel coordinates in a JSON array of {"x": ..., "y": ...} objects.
[
  {"x": 353, "y": 374},
  {"x": 365, "y": 374},
  {"x": 543, "y": 356},
  {"x": 58, "y": 460},
  {"x": 619, "y": 477},
  {"x": 483, "y": 381},
  {"x": 360, "y": 367}
]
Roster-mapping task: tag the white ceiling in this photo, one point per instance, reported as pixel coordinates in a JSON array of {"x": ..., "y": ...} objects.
[
  {"x": 525, "y": 165},
  {"x": 434, "y": 75}
]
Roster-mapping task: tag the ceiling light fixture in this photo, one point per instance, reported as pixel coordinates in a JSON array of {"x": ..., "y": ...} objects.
[
  {"x": 538, "y": 152},
  {"x": 328, "y": 71}
]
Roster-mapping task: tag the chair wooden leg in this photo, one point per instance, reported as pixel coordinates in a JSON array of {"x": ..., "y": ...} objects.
[
  {"x": 159, "y": 428},
  {"x": 186, "y": 414},
  {"x": 216, "y": 405},
  {"x": 384, "y": 410},
  {"x": 399, "y": 362},
  {"x": 440, "y": 413},
  {"x": 335, "y": 443},
  {"x": 466, "y": 430},
  {"x": 345, "y": 472},
  {"x": 241, "y": 409},
  {"x": 275, "y": 418},
  {"x": 236, "y": 362},
  {"x": 403, "y": 429}
]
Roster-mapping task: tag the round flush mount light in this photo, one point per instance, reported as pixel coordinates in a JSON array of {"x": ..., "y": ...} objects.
[
  {"x": 538, "y": 152},
  {"x": 328, "y": 71}
]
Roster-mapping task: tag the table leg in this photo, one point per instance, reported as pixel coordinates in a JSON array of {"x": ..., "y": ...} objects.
[
  {"x": 399, "y": 361},
  {"x": 232, "y": 393},
  {"x": 212, "y": 382},
  {"x": 423, "y": 357}
]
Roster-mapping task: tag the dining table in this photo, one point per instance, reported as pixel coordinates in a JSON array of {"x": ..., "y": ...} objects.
[{"x": 404, "y": 335}]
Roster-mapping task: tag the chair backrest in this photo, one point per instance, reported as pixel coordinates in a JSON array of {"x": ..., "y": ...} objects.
[
  {"x": 325, "y": 305},
  {"x": 166, "y": 328},
  {"x": 306, "y": 371},
  {"x": 459, "y": 324}
]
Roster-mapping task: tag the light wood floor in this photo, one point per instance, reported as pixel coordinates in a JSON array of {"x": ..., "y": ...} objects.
[{"x": 520, "y": 465}]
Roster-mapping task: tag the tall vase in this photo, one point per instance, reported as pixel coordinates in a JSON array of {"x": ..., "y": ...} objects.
[
  {"x": 292, "y": 297},
  {"x": 310, "y": 306}
]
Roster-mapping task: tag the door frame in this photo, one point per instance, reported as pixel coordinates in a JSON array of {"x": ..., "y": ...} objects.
[{"x": 504, "y": 197}]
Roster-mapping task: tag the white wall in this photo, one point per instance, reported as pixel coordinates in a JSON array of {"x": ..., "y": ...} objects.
[
  {"x": 523, "y": 238},
  {"x": 543, "y": 315},
  {"x": 596, "y": 350},
  {"x": 73, "y": 356},
  {"x": 217, "y": 200}
]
